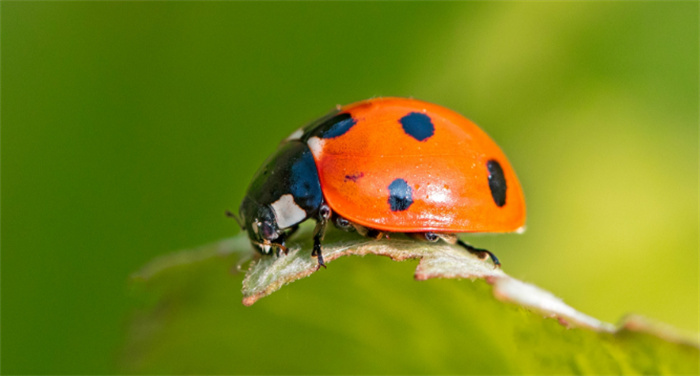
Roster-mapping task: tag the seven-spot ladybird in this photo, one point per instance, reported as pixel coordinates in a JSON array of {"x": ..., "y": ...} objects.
[{"x": 385, "y": 165}]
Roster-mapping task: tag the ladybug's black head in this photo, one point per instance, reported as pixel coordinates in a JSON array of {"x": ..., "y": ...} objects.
[
  {"x": 259, "y": 221},
  {"x": 284, "y": 192}
]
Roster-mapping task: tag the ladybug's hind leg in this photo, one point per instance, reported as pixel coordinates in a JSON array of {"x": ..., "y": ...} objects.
[
  {"x": 453, "y": 239},
  {"x": 481, "y": 253}
]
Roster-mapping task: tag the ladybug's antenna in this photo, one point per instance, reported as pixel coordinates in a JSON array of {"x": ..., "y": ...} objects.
[{"x": 238, "y": 220}]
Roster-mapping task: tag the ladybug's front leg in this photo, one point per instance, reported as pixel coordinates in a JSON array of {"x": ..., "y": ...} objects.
[
  {"x": 282, "y": 239},
  {"x": 324, "y": 213}
]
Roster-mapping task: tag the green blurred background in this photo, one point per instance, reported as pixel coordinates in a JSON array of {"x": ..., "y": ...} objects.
[{"x": 128, "y": 128}]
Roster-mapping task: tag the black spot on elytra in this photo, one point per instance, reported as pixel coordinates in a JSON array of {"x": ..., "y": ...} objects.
[
  {"x": 400, "y": 195},
  {"x": 336, "y": 126},
  {"x": 418, "y": 126},
  {"x": 354, "y": 177},
  {"x": 497, "y": 182}
]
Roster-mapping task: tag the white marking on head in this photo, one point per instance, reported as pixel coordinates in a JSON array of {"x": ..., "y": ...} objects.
[
  {"x": 295, "y": 135},
  {"x": 316, "y": 145},
  {"x": 287, "y": 212}
]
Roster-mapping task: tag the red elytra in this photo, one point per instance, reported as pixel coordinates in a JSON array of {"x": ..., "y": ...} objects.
[{"x": 446, "y": 171}]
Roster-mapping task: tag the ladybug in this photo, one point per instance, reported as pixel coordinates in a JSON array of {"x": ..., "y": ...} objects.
[{"x": 382, "y": 166}]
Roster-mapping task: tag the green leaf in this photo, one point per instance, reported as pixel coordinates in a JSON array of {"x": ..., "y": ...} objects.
[{"x": 365, "y": 316}]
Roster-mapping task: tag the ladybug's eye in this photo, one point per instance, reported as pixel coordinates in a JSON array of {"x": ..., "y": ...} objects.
[{"x": 268, "y": 232}]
